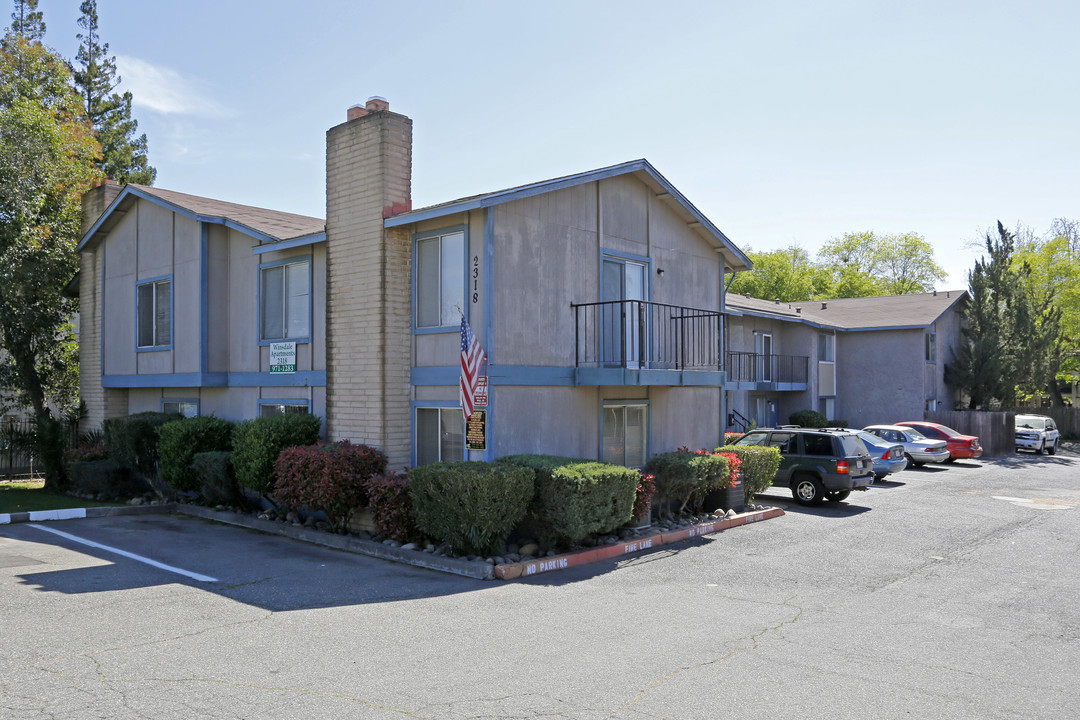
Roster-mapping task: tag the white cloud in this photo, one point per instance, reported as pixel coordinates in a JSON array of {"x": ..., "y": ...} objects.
[{"x": 164, "y": 90}]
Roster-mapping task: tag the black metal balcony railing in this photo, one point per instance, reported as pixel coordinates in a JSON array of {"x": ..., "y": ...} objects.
[
  {"x": 754, "y": 367},
  {"x": 646, "y": 335}
]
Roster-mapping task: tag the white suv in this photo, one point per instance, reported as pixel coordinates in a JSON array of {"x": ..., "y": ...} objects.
[{"x": 1036, "y": 432}]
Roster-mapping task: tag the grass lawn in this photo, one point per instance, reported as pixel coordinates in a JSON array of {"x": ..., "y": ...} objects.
[{"x": 26, "y": 496}]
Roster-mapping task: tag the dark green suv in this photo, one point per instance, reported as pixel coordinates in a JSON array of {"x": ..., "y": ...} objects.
[{"x": 816, "y": 464}]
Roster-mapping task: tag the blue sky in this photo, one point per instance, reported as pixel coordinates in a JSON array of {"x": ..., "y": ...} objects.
[{"x": 784, "y": 122}]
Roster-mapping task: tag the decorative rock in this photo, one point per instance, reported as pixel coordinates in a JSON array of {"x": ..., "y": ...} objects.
[
  {"x": 293, "y": 516},
  {"x": 550, "y": 553},
  {"x": 530, "y": 549},
  {"x": 512, "y": 548},
  {"x": 730, "y": 514},
  {"x": 489, "y": 561},
  {"x": 310, "y": 521},
  {"x": 409, "y": 546},
  {"x": 391, "y": 543},
  {"x": 429, "y": 548}
]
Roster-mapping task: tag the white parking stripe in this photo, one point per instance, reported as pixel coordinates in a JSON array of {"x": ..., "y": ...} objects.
[{"x": 125, "y": 553}]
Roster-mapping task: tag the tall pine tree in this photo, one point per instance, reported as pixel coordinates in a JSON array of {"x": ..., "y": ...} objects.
[
  {"x": 27, "y": 22},
  {"x": 124, "y": 155}
]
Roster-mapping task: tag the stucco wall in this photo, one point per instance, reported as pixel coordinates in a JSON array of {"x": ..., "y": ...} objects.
[{"x": 880, "y": 376}]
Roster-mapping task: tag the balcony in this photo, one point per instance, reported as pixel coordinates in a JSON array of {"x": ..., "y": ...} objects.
[
  {"x": 634, "y": 342},
  {"x": 753, "y": 371}
]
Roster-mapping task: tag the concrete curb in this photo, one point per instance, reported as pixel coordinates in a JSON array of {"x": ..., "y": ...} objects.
[{"x": 348, "y": 543}]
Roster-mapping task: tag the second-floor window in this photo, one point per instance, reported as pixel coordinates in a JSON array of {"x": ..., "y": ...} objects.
[
  {"x": 154, "y": 301},
  {"x": 826, "y": 347},
  {"x": 931, "y": 347},
  {"x": 286, "y": 301},
  {"x": 440, "y": 280}
]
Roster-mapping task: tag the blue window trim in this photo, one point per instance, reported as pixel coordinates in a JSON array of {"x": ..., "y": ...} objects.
[
  {"x": 198, "y": 406},
  {"x": 172, "y": 314},
  {"x": 293, "y": 260},
  {"x": 619, "y": 402},
  {"x": 281, "y": 401},
  {"x": 433, "y": 405},
  {"x": 416, "y": 238}
]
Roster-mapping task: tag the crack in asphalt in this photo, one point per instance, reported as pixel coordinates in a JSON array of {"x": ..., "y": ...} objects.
[{"x": 745, "y": 648}]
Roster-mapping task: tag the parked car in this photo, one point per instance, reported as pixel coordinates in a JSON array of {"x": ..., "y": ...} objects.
[
  {"x": 918, "y": 448},
  {"x": 960, "y": 446},
  {"x": 888, "y": 457},
  {"x": 816, "y": 464},
  {"x": 1038, "y": 433}
]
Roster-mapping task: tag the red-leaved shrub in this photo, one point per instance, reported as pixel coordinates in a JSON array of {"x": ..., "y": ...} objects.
[
  {"x": 329, "y": 477},
  {"x": 391, "y": 507}
]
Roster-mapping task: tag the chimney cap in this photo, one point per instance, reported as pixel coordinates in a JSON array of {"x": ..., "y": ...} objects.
[{"x": 824, "y": 306}]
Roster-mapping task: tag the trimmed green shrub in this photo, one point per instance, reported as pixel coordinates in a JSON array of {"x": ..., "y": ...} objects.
[
  {"x": 759, "y": 465},
  {"x": 106, "y": 479},
  {"x": 181, "y": 439},
  {"x": 329, "y": 477},
  {"x": 684, "y": 477},
  {"x": 391, "y": 506},
  {"x": 472, "y": 506},
  {"x": 808, "y": 419},
  {"x": 133, "y": 440},
  {"x": 258, "y": 442},
  {"x": 577, "y": 498},
  {"x": 837, "y": 424},
  {"x": 215, "y": 478}
]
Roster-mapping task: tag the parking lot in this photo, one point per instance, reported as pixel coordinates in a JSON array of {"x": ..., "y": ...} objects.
[{"x": 947, "y": 592}]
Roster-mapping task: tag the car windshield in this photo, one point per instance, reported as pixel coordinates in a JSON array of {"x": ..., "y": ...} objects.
[
  {"x": 1031, "y": 423},
  {"x": 870, "y": 438}
]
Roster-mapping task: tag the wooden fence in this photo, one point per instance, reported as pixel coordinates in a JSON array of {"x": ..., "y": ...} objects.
[{"x": 996, "y": 430}]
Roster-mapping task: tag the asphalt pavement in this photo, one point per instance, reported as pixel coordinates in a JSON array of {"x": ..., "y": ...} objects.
[{"x": 947, "y": 593}]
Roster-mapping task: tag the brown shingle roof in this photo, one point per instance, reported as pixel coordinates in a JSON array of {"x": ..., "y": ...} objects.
[
  {"x": 276, "y": 224},
  {"x": 868, "y": 313}
]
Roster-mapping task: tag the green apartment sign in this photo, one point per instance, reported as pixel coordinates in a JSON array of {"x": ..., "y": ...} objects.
[{"x": 283, "y": 357}]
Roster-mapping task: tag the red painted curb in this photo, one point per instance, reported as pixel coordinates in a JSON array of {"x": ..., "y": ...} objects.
[{"x": 514, "y": 571}]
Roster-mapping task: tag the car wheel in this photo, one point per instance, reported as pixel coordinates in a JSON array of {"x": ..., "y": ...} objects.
[
  {"x": 879, "y": 478},
  {"x": 911, "y": 461},
  {"x": 951, "y": 459},
  {"x": 1042, "y": 448},
  {"x": 837, "y": 495},
  {"x": 807, "y": 490},
  {"x": 1053, "y": 448}
]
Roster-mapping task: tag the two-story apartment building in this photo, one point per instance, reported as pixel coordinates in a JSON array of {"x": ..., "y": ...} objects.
[
  {"x": 598, "y": 299},
  {"x": 863, "y": 360}
]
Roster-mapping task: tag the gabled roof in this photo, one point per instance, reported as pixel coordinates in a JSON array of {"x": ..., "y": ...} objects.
[
  {"x": 733, "y": 257},
  {"x": 888, "y": 312},
  {"x": 266, "y": 226}
]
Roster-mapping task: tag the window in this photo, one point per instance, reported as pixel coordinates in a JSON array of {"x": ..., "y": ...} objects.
[
  {"x": 821, "y": 445},
  {"x": 827, "y": 407},
  {"x": 267, "y": 409},
  {"x": 187, "y": 408},
  {"x": 154, "y": 301},
  {"x": 786, "y": 442},
  {"x": 931, "y": 404},
  {"x": 625, "y": 434},
  {"x": 931, "y": 347},
  {"x": 826, "y": 348},
  {"x": 440, "y": 280},
  {"x": 285, "y": 292},
  {"x": 440, "y": 435}
]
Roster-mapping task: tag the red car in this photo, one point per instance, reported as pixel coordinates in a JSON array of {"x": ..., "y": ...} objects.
[{"x": 960, "y": 446}]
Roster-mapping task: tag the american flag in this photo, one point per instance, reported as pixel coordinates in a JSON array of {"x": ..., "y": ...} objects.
[{"x": 472, "y": 362}]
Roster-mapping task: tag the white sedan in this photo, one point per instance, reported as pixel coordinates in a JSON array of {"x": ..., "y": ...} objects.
[{"x": 918, "y": 448}]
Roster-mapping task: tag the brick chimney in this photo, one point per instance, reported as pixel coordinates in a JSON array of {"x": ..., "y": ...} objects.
[{"x": 368, "y": 285}]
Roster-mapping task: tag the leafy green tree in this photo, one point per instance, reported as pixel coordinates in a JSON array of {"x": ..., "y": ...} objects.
[
  {"x": 123, "y": 153},
  {"x": 866, "y": 264},
  {"x": 787, "y": 275},
  {"x": 47, "y": 153}
]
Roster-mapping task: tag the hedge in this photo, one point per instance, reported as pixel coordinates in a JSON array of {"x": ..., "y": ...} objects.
[
  {"x": 759, "y": 465},
  {"x": 329, "y": 477},
  {"x": 391, "y": 506},
  {"x": 215, "y": 477},
  {"x": 106, "y": 479},
  {"x": 808, "y": 419},
  {"x": 181, "y": 439},
  {"x": 684, "y": 477},
  {"x": 576, "y": 498},
  {"x": 472, "y": 506},
  {"x": 258, "y": 442},
  {"x": 133, "y": 440}
]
